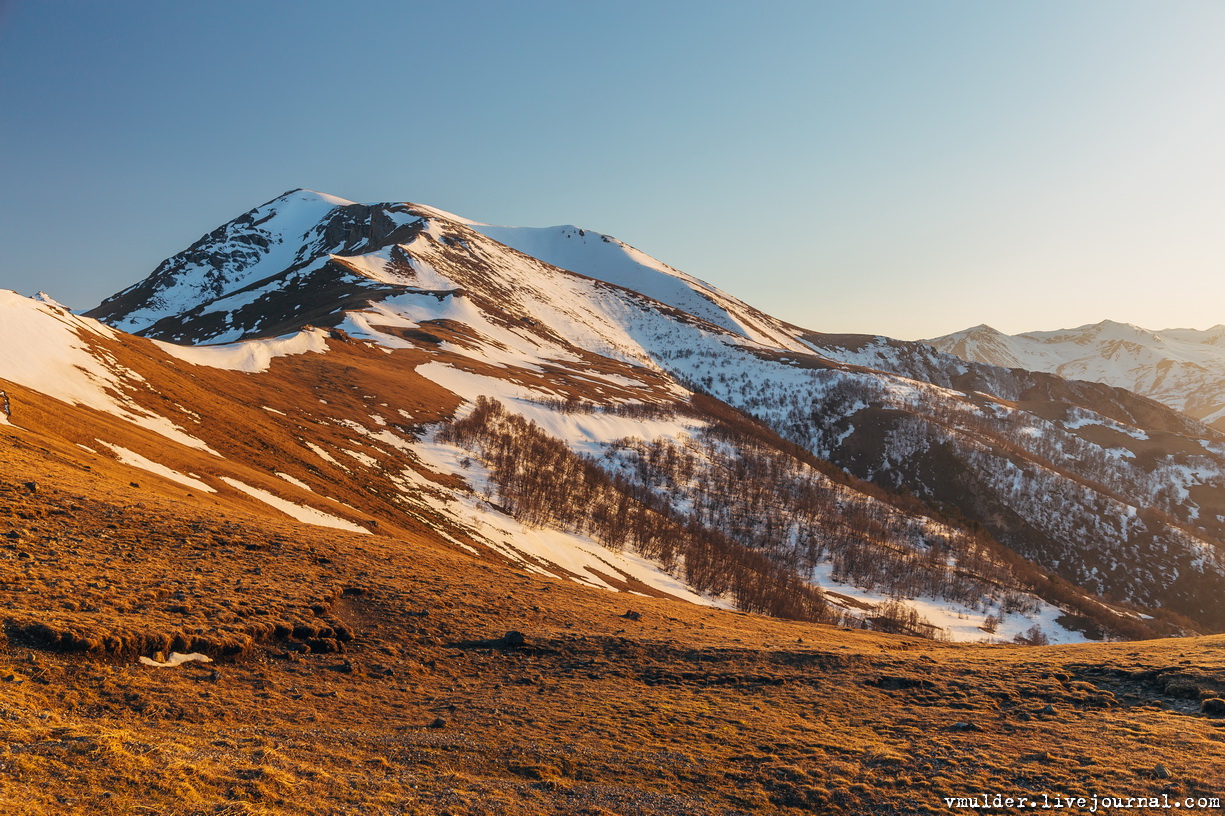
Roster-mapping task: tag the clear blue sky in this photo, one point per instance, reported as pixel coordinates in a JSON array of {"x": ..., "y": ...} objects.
[{"x": 907, "y": 168}]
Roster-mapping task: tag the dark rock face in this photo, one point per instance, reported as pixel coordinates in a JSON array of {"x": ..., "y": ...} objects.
[
  {"x": 317, "y": 297},
  {"x": 358, "y": 228},
  {"x": 218, "y": 266}
]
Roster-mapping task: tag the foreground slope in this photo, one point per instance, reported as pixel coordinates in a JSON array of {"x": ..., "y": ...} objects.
[
  {"x": 433, "y": 708},
  {"x": 310, "y": 426},
  {"x": 1182, "y": 368}
]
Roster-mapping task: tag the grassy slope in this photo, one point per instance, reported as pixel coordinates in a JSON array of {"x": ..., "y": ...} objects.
[{"x": 686, "y": 710}]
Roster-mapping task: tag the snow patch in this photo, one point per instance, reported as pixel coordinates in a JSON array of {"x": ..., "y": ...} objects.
[
  {"x": 250, "y": 356},
  {"x": 134, "y": 459},
  {"x": 295, "y": 482},
  {"x": 958, "y": 621},
  {"x": 307, "y": 515}
]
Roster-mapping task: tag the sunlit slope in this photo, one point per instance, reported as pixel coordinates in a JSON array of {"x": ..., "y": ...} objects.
[
  {"x": 349, "y": 674},
  {"x": 975, "y": 494}
]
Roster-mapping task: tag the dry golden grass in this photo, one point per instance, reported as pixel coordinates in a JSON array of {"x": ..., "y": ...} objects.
[
  {"x": 687, "y": 710},
  {"x": 364, "y": 674}
]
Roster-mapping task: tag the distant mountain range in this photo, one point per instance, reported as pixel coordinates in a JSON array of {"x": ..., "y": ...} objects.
[
  {"x": 556, "y": 400},
  {"x": 1183, "y": 368}
]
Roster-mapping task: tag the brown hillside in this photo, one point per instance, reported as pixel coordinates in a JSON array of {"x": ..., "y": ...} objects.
[{"x": 411, "y": 696}]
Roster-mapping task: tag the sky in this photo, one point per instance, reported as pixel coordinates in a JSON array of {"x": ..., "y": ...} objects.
[{"x": 903, "y": 168}]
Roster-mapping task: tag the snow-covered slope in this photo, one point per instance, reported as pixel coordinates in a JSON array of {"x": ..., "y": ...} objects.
[
  {"x": 1182, "y": 368},
  {"x": 605, "y": 258},
  {"x": 264, "y": 242},
  {"x": 46, "y": 348},
  {"x": 74, "y": 377},
  {"x": 310, "y": 255}
]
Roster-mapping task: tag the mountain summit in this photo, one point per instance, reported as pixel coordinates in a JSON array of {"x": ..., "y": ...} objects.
[{"x": 310, "y": 257}]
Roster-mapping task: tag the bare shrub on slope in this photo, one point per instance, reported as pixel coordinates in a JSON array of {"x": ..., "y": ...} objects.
[{"x": 540, "y": 481}]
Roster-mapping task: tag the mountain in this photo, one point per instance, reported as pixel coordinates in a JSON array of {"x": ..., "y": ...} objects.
[
  {"x": 1182, "y": 368},
  {"x": 398, "y": 369},
  {"x": 474, "y": 519},
  {"x": 309, "y": 257}
]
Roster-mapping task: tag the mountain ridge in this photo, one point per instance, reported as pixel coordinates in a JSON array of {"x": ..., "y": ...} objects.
[
  {"x": 871, "y": 468},
  {"x": 1182, "y": 368}
]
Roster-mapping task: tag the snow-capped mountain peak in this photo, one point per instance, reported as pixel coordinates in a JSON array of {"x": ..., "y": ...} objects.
[
  {"x": 231, "y": 284},
  {"x": 1183, "y": 368},
  {"x": 257, "y": 244}
]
